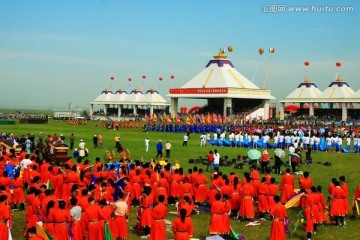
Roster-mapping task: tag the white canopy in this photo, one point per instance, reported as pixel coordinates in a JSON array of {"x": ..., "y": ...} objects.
[{"x": 305, "y": 92}]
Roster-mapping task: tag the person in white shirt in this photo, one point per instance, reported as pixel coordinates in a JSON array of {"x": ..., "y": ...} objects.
[
  {"x": 167, "y": 149},
  {"x": 216, "y": 159},
  {"x": 241, "y": 139},
  {"x": 287, "y": 141},
  {"x": 255, "y": 140},
  {"x": 348, "y": 143},
  {"x": 276, "y": 141},
  {"x": 312, "y": 142},
  {"x": 306, "y": 141},
  {"x": 207, "y": 136},
  {"x": 82, "y": 148},
  {"x": 291, "y": 150},
  {"x": 266, "y": 139},
  {"x": 25, "y": 162},
  {"x": 222, "y": 136},
  {"x": 328, "y": 144},
  {"x": 237, "y": 139},
  {"x": 147, "y": 141},
  {"x": 249, "y": 139},
  {"x": 185, "y": 140},
  {"x": 356, "y": 140},
  {"x": 339, "y": 144},
  {"x": 202, "y": 140},
  {"x": 215, "y": 136},
  {"x": 281, "y": 141}
]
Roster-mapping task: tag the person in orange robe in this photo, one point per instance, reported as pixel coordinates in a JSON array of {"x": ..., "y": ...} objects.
[
  {"x": 308, "y": 209},
  {"x": 163, "y": 187},
  {"x": 278, "y": 212},
  {"x": 235, "y": 196},
  {"x": 107, "y": 211},
  {"x": 305, "y": 182},
  {"x": 146, "y": 202},
  {"x": 344, "y": 186},
  {"x": 216, "y": 212},
  {"x": 182, "y": 227},
  {"x": 5, "y": 216},
  {"x": 337, "y": 209},
  {"x": 136, "y": 182},
  {"x": 93, "y": 225},
  {"x": 18, "y": 195},
  {"x": 175, "y": 188},
  {"x": 247, "y": 210},
  {"x": 315, "y": 209},
  {"x": 263, "y": 205},
  {"x": 121, "y": 211},
  {"x": 255, "y": 178},
  {"x": 322, "y": 205},
  {"x": 61, "y": 219},
  {"x": 273, "y": 190},
  {"x": 48, "y": 217},
  {"x": 202, "y": 191},
  {"x": 215, "y": 186},
  {"x": 225, "y": 216},
  {"x": 287, "y": 186},
  {"x": 158, "y": 228}
]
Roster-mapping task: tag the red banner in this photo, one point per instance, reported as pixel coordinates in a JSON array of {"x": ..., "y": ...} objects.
[{"x": 198, "y": 90}]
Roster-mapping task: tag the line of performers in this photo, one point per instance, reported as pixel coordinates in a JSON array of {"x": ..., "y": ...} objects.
[{"x": 95, "y": 200}]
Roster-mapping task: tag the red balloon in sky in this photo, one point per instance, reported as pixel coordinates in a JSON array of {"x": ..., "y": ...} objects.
[
  {"x": 129, "y": 79},
  {"x": 112, "y": 78},
  {"x": 338, "y": 64},
  {"x": 172, "y": 76},
  {"x": 306, "y": 63},
  {"x": 160, "y": 78},
  {"x": 143, "y": 76}
]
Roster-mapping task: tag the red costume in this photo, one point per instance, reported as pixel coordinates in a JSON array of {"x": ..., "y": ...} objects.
[
  {"x": 286, "y": 187},
  {"x": 93, "y": 216},
  {"x": 278, "y": 224},
  {"x": 158, "y": 229},
  {"x": 61, "y": 218},
  {"x": 4, "y": 217},
  {"x": 247, "y": 203},
  {"x": 182, "y": 230},
  {"x": 216, "y": 223}
]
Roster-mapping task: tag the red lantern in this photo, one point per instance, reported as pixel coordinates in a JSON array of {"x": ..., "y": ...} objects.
[
  {"x": 306, "y": 63},
  {"x": 160, "y": 78},
  {"x": 172, "y": 76},
  {"x": 129, "y": 79},
  {"x": 143, "y": 76},
  {"x": 112, "y": 78},
  {"x": 338, "y": 64}
]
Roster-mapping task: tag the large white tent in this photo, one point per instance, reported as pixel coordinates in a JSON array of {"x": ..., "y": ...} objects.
[
  {"x": 133, "y": 100},
  {"x": 220, "y": 80},
  {"x": 338, "y": 91}
]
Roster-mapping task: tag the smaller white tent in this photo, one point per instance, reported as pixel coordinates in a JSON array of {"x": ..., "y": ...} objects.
[
  {"x": 338, "y": 90},
  {"x": 104, "y": 98}
]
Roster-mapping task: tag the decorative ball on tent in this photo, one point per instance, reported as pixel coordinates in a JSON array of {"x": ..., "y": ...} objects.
[
  {"x": 143, "y": 76},
  {"x": 230, "y": 48},
  {"x": 160, "y": 78},
  {"x": 271, "y": 50},
  {"x": 112, "y": 78},
  {"x": 261, "y": 51},
  {"x": 306, "y": 63},
  {"x": 338, "y": 64},
  {"x": 172, "y": 76},
  {"x": 129, "y": 79}
]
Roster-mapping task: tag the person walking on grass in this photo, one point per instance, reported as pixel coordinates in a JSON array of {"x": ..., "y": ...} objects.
[
  {"x": 159, "y": 149},
  {"x": 185, "y": 140},
  {"x": 167, "y": 148}
]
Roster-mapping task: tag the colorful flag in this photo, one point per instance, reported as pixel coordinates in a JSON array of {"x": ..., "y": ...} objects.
[{"x": 41, "y": 232}]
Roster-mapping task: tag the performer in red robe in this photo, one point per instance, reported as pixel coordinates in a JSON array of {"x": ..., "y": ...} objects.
[
  {"x": 278, "y": 212},
  {"x": 93, "y": 216},
  {"x": 217, "y": 211},
  {"x": 344, "y": 186},
  {"x": 18, "y": 196},
  {"x": 146, "y": 202},
  {"x": 308, "y": 209},
  {"x": 31, "y": 234},
  {"x": 287, "y": 186},
  {"x": 247, "y": 203},
  {"x": 158, "y": 228},
  {"x": 235, "y": 196},
  {"x": 225, "y": 216},
  {"x": 305, "y": 182},
  {"x": 202, "y": 191},
  {"x": 48, "y": 217},
  {"x": 5, "y": 216},
  {"x": 61, "y": 219},
  {"x": 273, "y": 190},
  {"x": 182, "y": 227},
  {"x": 262, "y": 191},
  {"x": 337, "y": 209}
]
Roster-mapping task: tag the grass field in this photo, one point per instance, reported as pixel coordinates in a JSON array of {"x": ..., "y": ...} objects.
[{"x": 133, "y": 139}]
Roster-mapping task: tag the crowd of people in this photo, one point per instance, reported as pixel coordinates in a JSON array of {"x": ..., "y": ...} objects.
[{"x": 80, "y": 199}]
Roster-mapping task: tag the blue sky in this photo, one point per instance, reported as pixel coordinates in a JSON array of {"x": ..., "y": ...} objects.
[{"x": 56, "y": 52}]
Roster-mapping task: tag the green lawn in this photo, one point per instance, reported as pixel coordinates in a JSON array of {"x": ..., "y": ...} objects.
[{"x": 133, "y": 139}]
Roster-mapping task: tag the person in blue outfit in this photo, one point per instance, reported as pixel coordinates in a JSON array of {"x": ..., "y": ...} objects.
[{"x": 159, "y": 149}]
